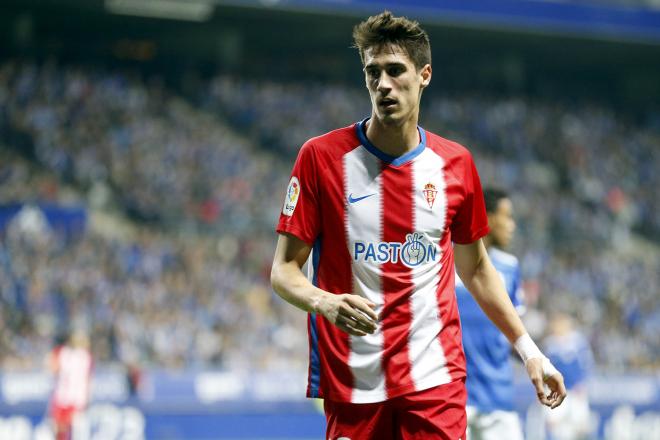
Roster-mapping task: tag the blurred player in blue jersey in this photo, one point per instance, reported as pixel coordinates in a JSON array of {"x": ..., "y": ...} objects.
[
  {"x": 569, "y": 351},
  {"x": 489, "y": 372}
]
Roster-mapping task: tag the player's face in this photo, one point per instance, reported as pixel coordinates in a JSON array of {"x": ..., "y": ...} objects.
[
  {"x": 395, "y": 85},
  {"x": 502, "y": 225}
]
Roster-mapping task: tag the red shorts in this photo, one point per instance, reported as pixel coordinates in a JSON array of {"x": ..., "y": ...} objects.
[
  {"x": 436, "y": 413},
  {"x": 63, "y": 415}
]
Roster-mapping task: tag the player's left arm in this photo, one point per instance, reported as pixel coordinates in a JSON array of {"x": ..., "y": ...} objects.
[{"x": 482, "y": 280}]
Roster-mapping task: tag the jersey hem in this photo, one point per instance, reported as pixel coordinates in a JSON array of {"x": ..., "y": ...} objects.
[{"x": 403, "y": 390}]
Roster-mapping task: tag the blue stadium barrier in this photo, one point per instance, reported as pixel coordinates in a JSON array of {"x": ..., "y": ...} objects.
[
  {"x": 221, "y": 405},
  {"x": 70, "y": 221}
]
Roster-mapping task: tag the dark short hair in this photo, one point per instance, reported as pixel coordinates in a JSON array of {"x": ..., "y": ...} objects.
[
  {"x": 384, "y": 28},
  {"x": 492, "y": 196}
]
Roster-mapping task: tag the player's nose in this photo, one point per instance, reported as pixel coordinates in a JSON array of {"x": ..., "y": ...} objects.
[{"x": 384, "y": 82}]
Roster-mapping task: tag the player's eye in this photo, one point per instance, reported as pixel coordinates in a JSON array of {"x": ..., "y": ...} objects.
[
  {"x": 395, "y": 70},
  {"x": 373, "y": 73}
]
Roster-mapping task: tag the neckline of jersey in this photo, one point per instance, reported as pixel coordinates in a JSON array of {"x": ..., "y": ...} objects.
[{"x": 360, "y": 129}]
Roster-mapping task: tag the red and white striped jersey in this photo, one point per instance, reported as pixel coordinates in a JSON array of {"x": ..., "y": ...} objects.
[
  {"x": 72, "y": 381},
  {"x": 382, "y": 227}
]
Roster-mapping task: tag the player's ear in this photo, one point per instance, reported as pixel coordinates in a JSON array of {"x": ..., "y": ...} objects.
[{"x": 425, "y": 73}]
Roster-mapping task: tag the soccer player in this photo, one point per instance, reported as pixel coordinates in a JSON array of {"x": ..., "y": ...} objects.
[
  {"x": 569, "y": 350},
  {"x": 489, "y": 372},
  {"x": 378, "y": 204},
  {"x": 71, "y": 364}
]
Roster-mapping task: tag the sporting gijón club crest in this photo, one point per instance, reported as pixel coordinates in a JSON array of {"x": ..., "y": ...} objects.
[{"x": 430, "y": 192}]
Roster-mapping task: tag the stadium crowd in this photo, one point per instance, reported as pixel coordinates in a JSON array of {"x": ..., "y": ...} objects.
[{"x": 198, "y": 182}]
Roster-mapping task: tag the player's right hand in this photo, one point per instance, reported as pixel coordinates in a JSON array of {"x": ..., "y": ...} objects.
[{"x": 353, "y": 314}]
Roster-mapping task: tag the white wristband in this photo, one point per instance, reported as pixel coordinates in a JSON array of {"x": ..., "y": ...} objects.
[{"x": 527, "y": 349}]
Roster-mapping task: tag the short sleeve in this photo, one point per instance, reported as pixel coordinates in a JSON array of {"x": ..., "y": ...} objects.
[
  {"x": 300, "y": 215},
  {"x": 471, "y": 221}
]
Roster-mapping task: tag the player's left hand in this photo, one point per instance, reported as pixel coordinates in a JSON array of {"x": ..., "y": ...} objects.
[{"x": 555, "y": 383}]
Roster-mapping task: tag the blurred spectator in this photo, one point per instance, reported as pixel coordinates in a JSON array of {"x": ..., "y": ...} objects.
[{"x": 569, "y": 351}]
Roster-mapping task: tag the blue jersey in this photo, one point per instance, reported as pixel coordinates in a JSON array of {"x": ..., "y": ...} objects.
[
  {"x": 487, "y": 351},
  {"x": 571, "y": 355}
]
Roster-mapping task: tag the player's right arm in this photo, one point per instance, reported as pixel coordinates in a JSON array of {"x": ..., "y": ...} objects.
[{"x": 351, "y": 313}]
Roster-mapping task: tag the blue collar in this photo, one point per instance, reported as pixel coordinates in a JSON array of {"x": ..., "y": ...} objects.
[{"x": 396, "y": 161}]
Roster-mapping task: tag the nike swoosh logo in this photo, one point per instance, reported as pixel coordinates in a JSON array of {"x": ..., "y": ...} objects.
[{"x": 357, "y": 199}]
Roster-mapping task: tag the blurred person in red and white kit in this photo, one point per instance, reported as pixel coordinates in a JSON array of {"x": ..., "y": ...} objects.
[{"x": 71, "y": 363}]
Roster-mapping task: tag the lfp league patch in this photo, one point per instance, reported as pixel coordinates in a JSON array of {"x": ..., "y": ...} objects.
[{"x": 292, "y": 196}]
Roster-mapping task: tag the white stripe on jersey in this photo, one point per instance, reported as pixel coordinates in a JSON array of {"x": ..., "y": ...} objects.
[
  {"x": 424, "y": 349},
  {"x": 363, "y": 183}
]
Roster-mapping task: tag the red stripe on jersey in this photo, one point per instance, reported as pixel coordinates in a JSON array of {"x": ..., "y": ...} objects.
[
  {"x": 450, "y": 334},
  {"x": 336, "y": 376},
  {"x": 398, "y": 221},
  {"x": 335, "y": 274}
]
